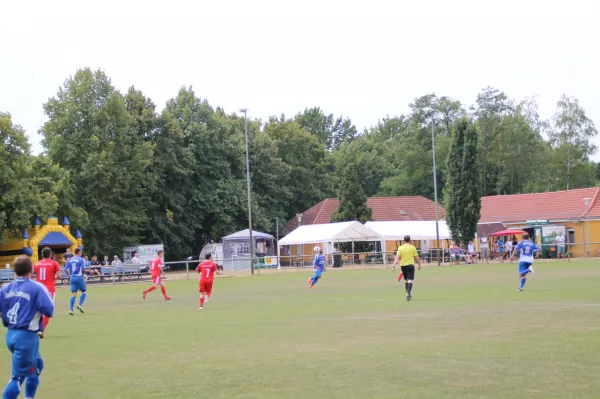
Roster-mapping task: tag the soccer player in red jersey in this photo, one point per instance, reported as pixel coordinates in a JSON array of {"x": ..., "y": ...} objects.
[
  {"x": 207, "y": 270},
  {"x": 157, "y": 273},
  {"x": 46, "y": 273}
]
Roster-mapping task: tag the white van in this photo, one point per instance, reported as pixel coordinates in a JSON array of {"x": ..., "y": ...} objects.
[{"x": 217, "y": 252}]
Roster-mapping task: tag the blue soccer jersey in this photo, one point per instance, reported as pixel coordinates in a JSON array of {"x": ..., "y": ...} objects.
[
  {"x": 319, "y": 263},
  {"x": 527, "y": 249},
  {"x": 75, "y": 266},
  {"x": 23, "y": 303}
]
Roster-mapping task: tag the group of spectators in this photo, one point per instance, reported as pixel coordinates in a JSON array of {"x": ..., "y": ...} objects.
[
  {"x": 94, "y": 266},
  {"x": 458, "y": 253}
]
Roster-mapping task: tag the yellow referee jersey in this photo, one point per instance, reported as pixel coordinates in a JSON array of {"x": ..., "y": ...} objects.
[{"x": 407, "y": 254}]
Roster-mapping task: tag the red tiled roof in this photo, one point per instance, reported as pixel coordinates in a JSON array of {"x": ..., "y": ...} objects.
[
  {"x": 540, "y": 206},
  {"x": 383, "y": 209}
]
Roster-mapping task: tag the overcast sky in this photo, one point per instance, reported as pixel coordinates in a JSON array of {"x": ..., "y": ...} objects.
[{"x": 362, "y": 59}]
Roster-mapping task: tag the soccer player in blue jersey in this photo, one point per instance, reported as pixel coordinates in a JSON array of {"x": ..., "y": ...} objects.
[
  {"x": 22, "y": 304},
  {"x": 527, "y": 250},
  {"x": 74, "y": 269},
  {"x": 318, "y": 267}
]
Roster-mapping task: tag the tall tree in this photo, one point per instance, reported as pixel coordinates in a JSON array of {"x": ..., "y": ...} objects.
[
  {"x": 310, "y": 166},
  {"x": 21, "y": 195},
  {"x": 92, "y": 135},
  {"x": 330, "y": 131},
  {"x": 571, "y": 136},
  {"x": 353, "y": 200},
  {"x": 490, "y": 105},
  {"x": 462, "y": 192}
]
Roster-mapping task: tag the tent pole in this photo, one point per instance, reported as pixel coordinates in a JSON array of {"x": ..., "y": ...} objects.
[{"x": 353, "y": 252}]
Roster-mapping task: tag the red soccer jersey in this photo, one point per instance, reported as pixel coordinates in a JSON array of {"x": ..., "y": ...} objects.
[
  {"x": 207, "y": 270},
  {"x": 45, "y": 273},
  {"x": 155, "y": 266}
]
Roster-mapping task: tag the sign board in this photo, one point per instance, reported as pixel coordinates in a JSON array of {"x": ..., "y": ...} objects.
[
  {"x": 536, "y": 222},
  {"x": 549, "y": 234},
  {"x": 266, "y": 262},
  {"x": 145, "y": 252}
]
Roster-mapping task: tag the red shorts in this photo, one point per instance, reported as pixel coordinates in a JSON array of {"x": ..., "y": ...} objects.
[
  {"x": 156, "y": 280},
  {"x": 206, "y": 286}
]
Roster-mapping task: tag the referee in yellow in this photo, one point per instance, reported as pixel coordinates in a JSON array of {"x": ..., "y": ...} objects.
[{"x": 407, "y": 255}]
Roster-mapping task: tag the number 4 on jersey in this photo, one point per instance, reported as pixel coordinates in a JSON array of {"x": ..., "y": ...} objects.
[{"x": 13, "y": 313}]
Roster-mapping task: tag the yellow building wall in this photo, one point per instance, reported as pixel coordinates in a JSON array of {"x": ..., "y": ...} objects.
[{"x": 579, "y": 248}]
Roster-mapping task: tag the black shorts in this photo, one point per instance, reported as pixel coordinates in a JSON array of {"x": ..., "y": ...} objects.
[{"x": 408, "y": 272}]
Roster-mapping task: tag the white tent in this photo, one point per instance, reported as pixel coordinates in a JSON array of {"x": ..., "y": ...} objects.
[
  {"x": 417, "y": 230},
  {"x": 330, "y": 233}
]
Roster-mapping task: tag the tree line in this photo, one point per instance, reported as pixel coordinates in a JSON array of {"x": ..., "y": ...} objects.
[{"x": 125, "y": 173}]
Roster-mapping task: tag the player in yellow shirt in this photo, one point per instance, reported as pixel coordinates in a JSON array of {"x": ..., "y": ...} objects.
[{"x": 407, "y": 255}]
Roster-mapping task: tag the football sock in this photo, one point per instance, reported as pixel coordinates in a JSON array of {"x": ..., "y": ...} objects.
[
  {"x": 409, "y": 288},
  {"x": 31, "y": 385},
  {"x": 406, "y": 287},
  {"x": 72, "y": 303},
  {"x": 201, "y": 302},
  {"x": 13, "y": 389},
  {"x": 523, "y": 280},
  {"x": 152, "y": 288},
  {"x": 164, "y": 291},
  {"x": 82, "y": 298}
]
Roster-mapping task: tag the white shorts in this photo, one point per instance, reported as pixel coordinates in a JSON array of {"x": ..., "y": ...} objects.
[{"x": 157, "y": 280}]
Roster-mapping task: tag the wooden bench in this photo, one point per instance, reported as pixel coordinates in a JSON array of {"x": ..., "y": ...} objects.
[{"x": 110, "y": 273}]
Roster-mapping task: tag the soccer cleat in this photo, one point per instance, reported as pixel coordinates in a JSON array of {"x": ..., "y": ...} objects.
[
  {"x": 311, "y": 286},
  {"x": 80, "y": 309},
  {"x": 40, "y": 334},
  {"x": 408, "y": 298},
  {"x": 309, "y": 281},
  {"x": 144, "y": 295},
  {"x": 71, "y": 313},
  {"x": 520, "y": 289},
  {"x": 531, "y": 269},
  {"x": 168, "y": 298},
  {"x": 201, "y": 308}
]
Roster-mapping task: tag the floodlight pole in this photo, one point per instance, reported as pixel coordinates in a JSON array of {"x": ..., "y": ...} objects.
[
  {"x": 437, "y": 228},
  {"x": 251, "y": 243}
]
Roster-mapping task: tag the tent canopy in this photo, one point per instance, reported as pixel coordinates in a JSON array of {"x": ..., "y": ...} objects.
[
  {"x": 330, "y": 232},
  {"x": 508, "y": 232},
  {"x": 245, "y": 234},
  {"x": 417, "y": 230}
]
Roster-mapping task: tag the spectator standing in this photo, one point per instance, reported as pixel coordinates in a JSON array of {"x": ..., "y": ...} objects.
[
  {"x": 508, "y": 248},
  {"x": 560, "y": 246},
  {"x": 485, "y": 249},
  {"x": 500, "y": 249}
]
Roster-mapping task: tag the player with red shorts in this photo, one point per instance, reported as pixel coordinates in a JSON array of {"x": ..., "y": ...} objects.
[
  {"x": 46, "y": 273},
  {"x": 207, "y": 270},
  {"x": 157, "y": 273}
]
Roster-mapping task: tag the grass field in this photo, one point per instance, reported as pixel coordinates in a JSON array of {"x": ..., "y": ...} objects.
[{"x": 467, "y": 334}]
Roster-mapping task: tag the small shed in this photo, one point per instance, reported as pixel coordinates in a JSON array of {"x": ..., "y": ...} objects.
[{"x": 236, "y": 249}]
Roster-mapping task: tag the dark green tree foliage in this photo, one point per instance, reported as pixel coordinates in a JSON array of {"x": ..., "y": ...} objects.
[
  {"x": 91, "y": 134},
  {"x": 330, "y": 131},
  {"x": 471, "y": 202},
  {"x": 353, "y": 200},
  {"x": 309, "y": 164},
  {"x": 455, "y": 191},
  {"x": 22, "y": 194}
]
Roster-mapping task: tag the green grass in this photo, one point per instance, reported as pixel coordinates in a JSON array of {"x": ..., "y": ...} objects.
[{"x": 467, "y": 334}]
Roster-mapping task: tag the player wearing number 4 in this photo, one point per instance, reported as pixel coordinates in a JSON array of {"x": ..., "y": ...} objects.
[
  {"x": 22, "y": 304},
  {"x": 46, "y": 273},
  {"x": 207, "y": 270},
  {"x": 74, "y": 269},
  {"x": 527, "y": 249}
]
